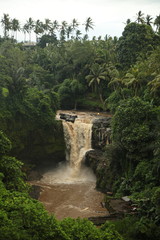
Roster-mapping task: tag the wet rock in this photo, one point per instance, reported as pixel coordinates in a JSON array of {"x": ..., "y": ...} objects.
[
  {"x": 34, "y": 175},
  {"x": 101, "y": 132},
  {"x": 68, "y": 117},
  {"x": 35, "y": 192},
  {"x": 98, "y": 221},
  {"x": 100, "y": 165}
]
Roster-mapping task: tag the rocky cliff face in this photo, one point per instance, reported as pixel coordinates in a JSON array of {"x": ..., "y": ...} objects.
[
  {"x": 101, "y": 133},
  {"x": 96, "y": 159}
]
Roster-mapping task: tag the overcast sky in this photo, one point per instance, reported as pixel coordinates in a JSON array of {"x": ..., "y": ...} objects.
[{"x": 108, "y": 16}]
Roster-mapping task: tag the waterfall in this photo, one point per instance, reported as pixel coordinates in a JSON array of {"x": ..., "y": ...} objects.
[
  {"x": 77, "y": 127},
  {"x": 77, "y": 137}
]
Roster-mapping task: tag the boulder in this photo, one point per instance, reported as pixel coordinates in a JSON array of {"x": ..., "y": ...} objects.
[{"x": 68, "y": 117}]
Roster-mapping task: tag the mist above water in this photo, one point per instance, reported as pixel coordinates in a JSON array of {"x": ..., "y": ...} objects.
[{"x": 65, "y": 174}]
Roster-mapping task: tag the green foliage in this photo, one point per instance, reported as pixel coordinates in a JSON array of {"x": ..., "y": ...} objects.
[
  {"x": 46, "y": 39},
  {"x": 114, "y": 99},
  {"x": 137, "y": 39},
  {"x": 82, "y": 229},
  {"x": 133, "y": 128},
  {"x": 69, "y": 92},
  {"x": 13, "y": 176},
  {"x": 38, "y": 106},
  {"x": 25, "y": 218},
  {"x": 156, "y": 201},
  {"x": 132, "y": 228},
  {"x": 5, "y": 92},
  {"x": 5, "y": 144}
]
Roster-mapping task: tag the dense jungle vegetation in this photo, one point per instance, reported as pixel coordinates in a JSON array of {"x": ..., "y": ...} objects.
[{"x": 66, "y": 70}]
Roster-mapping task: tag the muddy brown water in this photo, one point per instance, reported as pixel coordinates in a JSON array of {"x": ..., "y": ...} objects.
[{"x": 65, "y": 195}]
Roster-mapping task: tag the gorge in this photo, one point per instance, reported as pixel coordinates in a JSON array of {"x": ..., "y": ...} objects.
[{"x": 69, "y": 190}]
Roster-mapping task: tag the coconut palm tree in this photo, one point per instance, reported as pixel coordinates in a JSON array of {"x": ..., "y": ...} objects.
[
  {"x": 56, "y": 25},
  {"x": 15, "y": 25},
  {"x": 140, "y": 17},
  {"x": 6, "y": 23},
  {"x": 85, "y": 37},
  {"x": 88, "y": 24},
  {"x": 30, "y": 25},
  {"x": 157, "y": 23},
  {"x": 25, "y": 31},
  {"x": 47, "y": 25},
  {"x": 74, "y": 25},
  {"x": 69, "y": 30},
  {"x": 128, "y": 21},
  {"x": 63, "y": 28},
  {"x": 131, "y": 81},
  {"x": 116, "y": 83},
  {"x": 97, "y": 75},
  {"x": 155, "y": 85},
  {"x": 78, "y": 34},
  {"x": 148, "y": 20},
  {"x": 38, "y": 28}
]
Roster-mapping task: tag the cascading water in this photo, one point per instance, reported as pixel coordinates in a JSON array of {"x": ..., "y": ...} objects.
[
  {"x": 78, "y": 141},
  {"x": 69, "y": 189}
]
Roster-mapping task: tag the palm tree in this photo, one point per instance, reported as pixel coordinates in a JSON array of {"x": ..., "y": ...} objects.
[
  {"x": 97, "y": 74},
  {"x": 106, "y": 37},
  {"x": 38, "y": 28},
  {"x": 128, "y": 21},
  {"x": 85, "y": 37},
  {"x": 25, "y": 30},
  {"x": 47, "y": 25},
  {"x": 55, "y": 25},
  {"x": 130, "y": 80},
  {"x": 149, "y": 20},
  {"x": 116, "y": 83},
  {"x": 16, "y": 83},
  {"x": 30, "y": 26},
  {"x": 15, "y": 25},
  {"x": 88, "y": 24},
  {"x": 155, "y": 85},
  {"x": 78, "y": 34},
  {"x": 74, "y": 25},
  {"x": 6, "y": 24},
  {"x": 157, "y": 23},
  {"x": 69, "y": 30},
  {"x": 63, "y": 28},
  {"x": 140, "y": 17}
]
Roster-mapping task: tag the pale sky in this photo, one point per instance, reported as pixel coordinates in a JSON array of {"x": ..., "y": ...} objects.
[{"x": 108, "y": 16}]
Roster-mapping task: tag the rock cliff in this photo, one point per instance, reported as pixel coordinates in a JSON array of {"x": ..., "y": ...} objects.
[{"x": 96, "y": 158}]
